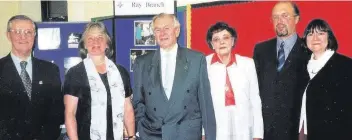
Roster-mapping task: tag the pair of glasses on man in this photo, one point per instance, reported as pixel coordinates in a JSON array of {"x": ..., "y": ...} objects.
[
  {"x": 285, "y": 16},
  {"x": 25, "y": 32}
]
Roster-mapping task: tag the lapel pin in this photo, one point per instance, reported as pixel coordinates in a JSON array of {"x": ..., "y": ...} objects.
[{"x": 40, "y": 82}]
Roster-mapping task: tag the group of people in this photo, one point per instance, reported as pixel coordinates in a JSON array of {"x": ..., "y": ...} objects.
[{"x": 293, "y": 89}]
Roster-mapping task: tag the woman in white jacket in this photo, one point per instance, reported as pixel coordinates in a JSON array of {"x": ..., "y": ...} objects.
[{"x": 234, "y": 87}]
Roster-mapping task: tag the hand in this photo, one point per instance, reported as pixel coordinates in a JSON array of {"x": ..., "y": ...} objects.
[
  {"x": 257, "y": 139},
  {"x": 203, "y": 137}
]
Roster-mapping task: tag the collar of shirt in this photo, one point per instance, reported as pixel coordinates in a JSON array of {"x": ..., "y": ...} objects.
[
  {"x": 216, "y": 58},
  {"x": 16, "y": 60},
  {"x": 314, "y": 66},
  {"x": 289, "y": 43}
]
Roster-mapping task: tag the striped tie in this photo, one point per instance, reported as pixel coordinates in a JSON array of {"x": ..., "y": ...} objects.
[
  {"x": 25, "y": 79},
  {"x": 281, "y": 56}
]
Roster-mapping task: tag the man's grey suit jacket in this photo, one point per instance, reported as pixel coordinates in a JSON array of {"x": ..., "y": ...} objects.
[{"x": 190, "y": 106}]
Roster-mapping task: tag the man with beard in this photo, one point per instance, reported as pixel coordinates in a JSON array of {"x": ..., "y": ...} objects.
[{"x": 280, "y": 64}]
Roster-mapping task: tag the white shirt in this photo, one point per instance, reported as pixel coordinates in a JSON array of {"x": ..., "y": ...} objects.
[
  {"x": 313, "y": 68},
  {"x": 168, "y": 65},
  {"x": 16, "y": 60}
]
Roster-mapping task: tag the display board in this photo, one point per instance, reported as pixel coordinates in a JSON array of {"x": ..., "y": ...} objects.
[
  {"x": 134, "y": 37},
  {"x": 58, "y": 43}
]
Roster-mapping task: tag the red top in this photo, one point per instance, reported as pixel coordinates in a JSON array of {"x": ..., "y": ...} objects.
[{"x": 229, "y": 94}]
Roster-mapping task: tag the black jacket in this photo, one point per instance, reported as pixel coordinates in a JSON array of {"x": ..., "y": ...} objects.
[
  {"x": 329, "y": 101},
  {"x": 281, "y": 92},
  {"x": 38, "y": 118}
]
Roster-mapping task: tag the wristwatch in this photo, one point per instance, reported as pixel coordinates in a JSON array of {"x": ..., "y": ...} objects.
[{"x": 132, "y": 137}]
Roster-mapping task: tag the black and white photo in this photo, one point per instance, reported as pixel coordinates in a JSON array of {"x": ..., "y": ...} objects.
[{"x": 134, "y": 53}]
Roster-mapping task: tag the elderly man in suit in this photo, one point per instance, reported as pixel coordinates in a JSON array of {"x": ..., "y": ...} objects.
[
  {"x": 281, "y": 68},
  {"x": 31, "y": 106},
  {"x": 172, "y": 98}
]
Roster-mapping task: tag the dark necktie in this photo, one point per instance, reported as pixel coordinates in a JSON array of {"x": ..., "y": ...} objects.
[
  {"x": 281, "y": 56},
  {"x": 25, "y": 79}
]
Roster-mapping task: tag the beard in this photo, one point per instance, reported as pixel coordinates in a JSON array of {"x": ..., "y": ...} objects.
[{"x": 282, "y": 33}]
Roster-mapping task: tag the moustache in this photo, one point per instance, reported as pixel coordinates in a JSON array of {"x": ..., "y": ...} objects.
[{"x": 280, "y": 25}]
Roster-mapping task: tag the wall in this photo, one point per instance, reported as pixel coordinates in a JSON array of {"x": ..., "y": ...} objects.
[
  {"x": 10, "y": 8},
  {"x": 85, "y": 10}
]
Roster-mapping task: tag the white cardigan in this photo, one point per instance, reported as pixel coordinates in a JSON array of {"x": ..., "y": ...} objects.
[{"x": 248, "y": 109}]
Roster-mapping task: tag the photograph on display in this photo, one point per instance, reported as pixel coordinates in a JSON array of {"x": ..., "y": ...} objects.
[
  {"x": 73, "y": 40},
  {"x": 134, "y": 53},
  {"x": 70, "y": 62},
  {"x": 49, "y": 38},
  {"x": 143, "y": 33}
]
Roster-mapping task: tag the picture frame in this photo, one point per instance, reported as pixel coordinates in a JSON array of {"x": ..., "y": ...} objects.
[
  {"x": 143, "y": 33},
  {"x": 134, "y": 53}
]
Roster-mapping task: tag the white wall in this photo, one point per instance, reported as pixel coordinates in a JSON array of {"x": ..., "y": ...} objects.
[{"x": 11, "y": 8}]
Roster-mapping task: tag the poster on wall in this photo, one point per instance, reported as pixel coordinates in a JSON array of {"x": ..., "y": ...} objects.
[
  {"x": 143, "y": 33},
  {"x": 73, "y": 40},
  {"x": 49, "y": 38},
  {"x": 143, "y": 7},
  {"x": 134, "y": 53}
]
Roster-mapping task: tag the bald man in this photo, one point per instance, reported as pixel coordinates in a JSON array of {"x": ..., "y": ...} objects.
[{"x": 281, "y": 68}]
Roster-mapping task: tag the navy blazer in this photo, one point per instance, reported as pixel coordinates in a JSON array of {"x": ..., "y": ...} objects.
[
  {"x": 190, "y": 105},
  {"x": 38, "y": 118}
]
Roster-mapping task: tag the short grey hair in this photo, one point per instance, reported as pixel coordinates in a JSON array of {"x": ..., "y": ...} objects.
[
  {"x": 95, "y": 25},
  {"x": 161, "y": 15},
  {"x": 20, "y": 17}
]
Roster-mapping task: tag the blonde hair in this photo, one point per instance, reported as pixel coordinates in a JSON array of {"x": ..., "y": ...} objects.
[{"x": 100, "y": 26}]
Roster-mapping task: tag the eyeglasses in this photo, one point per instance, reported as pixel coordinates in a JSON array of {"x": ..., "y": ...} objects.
[
  {"x": 25, "y": 32},
  {"x": 286, "y": 17},
  {"x": 218, "y": 40}
]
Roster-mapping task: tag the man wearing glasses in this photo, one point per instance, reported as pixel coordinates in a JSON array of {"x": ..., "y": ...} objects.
[
  {"x": 31, "y": 106},
  {"x": 280, "y": 64}
]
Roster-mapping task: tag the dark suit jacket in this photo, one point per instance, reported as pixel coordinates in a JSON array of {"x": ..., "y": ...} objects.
[
  {"x": 38, "y": 118},
  {"x": 281, "y": 92},
  {"x": 189, "y": 107},
  {"x": 329, "y": 101}
]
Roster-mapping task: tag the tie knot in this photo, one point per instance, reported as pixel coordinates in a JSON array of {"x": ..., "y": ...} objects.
[
  {"x": 282, "y": 44},
  {"x": 23, "y": 64}
]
